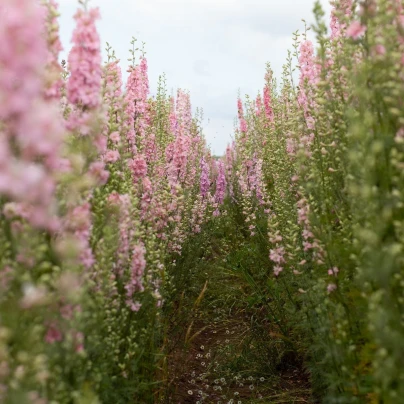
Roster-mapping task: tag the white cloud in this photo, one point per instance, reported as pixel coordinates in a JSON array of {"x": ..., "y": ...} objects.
[{"x": 213, "y": 48}]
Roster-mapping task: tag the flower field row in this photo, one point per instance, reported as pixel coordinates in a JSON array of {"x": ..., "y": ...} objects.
[
  {"x": 100, "y": 183},
  {"x": 317, "y": 174}
]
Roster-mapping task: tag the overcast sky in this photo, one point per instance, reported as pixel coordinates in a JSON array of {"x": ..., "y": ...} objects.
[{"x": 213, "y": 48}]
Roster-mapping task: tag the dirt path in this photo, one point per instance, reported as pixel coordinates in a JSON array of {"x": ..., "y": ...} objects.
[
  {"x": 213, "y": 367},
  {"x": 222, "y": 345}
]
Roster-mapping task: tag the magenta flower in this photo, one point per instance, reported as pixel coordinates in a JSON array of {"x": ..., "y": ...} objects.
[{"x": 53, "y": 334}]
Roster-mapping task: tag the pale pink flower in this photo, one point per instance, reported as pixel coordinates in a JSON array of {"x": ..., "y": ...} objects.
[
  {"x": 355, "y": 30},
  {"x": 97, "y": 170},
  {"x": 331, "y": 287},
  {"x": 135, "y": 283},
  {"x": 22, "y": 56},
  {"x": 277, "y": 255},
  {"x": 344, "y": 7},
  {"x": 115, "y": 137},
  {"x": 111, "y": 156},
  {"x": 183, "y": 112},
  {"x": 84, "y": 84},
  {"x": 134, "y": 306},
  {"x": 137, "y": 91},
  {"x": 112, "y": 75},
  {"x": 333, "y": 271},
  {"x": 78, "y": 222},
  {"x": 380, "y": 50},
  {"x": 138, "y": 167}
]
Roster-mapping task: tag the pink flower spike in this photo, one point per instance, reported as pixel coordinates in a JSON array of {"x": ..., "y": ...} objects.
[
  {"x": 138, "y": 167},
  {"x": 84, "y": 85}
]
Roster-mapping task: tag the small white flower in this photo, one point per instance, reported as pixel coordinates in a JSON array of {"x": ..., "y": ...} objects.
[{"x": 33, "y": 295}]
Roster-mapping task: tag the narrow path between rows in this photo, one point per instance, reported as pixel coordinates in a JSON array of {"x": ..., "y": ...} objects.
[{"x": 222, "y": 349}]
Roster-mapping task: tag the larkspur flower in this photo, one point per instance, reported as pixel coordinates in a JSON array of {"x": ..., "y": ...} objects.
[{"x": 355, "y": 30}]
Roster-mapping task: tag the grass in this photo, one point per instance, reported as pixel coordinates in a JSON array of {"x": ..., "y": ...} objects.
[{"x": 225, "y": 339}]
